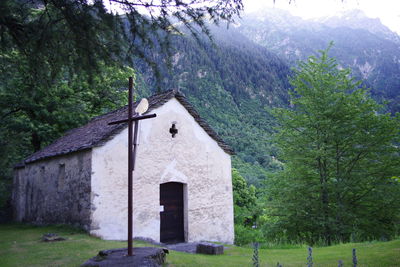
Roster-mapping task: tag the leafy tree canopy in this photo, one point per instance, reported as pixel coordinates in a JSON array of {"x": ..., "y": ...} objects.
[
  {"x": 246, "y": 210},
  {"x": 340, "y": 156},
  {"x": 83, "y": 31},
  {"x": 44, "y": 43}
]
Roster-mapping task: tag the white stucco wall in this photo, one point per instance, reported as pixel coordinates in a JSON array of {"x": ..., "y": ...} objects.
[{"x": 192, "y": 158}]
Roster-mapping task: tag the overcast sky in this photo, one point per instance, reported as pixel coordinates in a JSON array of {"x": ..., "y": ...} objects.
[{"x": 387, "y": 10}]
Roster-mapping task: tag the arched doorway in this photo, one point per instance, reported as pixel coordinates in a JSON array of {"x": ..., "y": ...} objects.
[{"x": 172, "y": 213}]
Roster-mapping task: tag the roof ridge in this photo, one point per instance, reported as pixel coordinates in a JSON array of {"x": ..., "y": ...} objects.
[{"x": 108, "y": 113}]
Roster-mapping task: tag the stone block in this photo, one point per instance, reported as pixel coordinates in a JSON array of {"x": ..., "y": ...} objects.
[{"x": 209, "y": 248}]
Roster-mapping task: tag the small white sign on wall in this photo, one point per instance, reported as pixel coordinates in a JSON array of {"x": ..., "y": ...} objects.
[{"x": 161, "y": 208}]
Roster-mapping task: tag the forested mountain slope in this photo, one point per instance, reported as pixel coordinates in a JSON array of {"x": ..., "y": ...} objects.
[
  {"x": 365, "y": 45},
  {"x": 233, "y": 83}
]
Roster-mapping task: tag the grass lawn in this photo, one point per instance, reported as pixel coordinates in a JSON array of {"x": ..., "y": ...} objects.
[{"x": 20, "y": 246}]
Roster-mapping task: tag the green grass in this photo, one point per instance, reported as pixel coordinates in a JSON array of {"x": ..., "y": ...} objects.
[{"x": 20, "y": 246}]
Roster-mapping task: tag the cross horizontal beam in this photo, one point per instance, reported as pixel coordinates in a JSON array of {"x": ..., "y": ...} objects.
[{"x": 137, "y": 118}]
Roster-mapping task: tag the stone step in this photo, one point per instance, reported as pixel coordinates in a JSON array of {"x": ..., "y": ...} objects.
[{"x": 209, "y": 248}]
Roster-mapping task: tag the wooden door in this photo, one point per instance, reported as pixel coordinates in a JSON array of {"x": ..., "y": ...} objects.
[{"x": 171, "y": 216}]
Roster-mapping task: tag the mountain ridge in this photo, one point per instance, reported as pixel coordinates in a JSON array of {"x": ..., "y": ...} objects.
[{"x": 373, "y": 53}]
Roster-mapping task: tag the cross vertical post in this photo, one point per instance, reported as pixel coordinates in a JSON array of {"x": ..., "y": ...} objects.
[
  {"x": 130, "y": 165},
  {"x": 132, "y": 147}
]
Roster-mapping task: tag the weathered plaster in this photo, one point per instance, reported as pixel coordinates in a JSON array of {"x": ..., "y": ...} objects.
[
  {"x": 192, "y": 158},
  {"x": 55, "y": 190}
]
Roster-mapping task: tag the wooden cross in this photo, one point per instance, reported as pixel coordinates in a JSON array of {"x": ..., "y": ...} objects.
[{"x": 132, "y": 138}]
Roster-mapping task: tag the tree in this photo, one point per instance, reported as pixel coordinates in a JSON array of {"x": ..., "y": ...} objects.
[
  {"x": 83, "y": 31},
  {"x": 340, "y": 156},
  {"x": 57, "y": 40},
  {"x": 244, "y": 199},
  {"x": 246, "y": 210}
]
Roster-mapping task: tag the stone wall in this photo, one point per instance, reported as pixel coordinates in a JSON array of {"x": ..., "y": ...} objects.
[
  {"x": 192, "y": 157},
  {"x": 55, "y": 190}
]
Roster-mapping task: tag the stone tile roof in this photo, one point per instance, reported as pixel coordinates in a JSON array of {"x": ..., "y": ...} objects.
[{"x": 97, "y": 131}]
